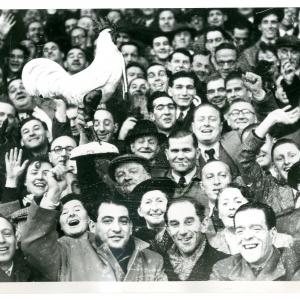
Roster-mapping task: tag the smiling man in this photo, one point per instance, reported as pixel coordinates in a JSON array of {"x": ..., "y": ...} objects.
[
  {"x": 255, "y": 230},
  {"x": 191, "y": 257}
]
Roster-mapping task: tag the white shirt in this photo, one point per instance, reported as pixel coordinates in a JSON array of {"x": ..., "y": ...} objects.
[
  {"x": 188, "y": 177},
  {"x": 9, "y": 270},
  {"x": 216, "y": 147},
  {"x": 184, "y": 113}
]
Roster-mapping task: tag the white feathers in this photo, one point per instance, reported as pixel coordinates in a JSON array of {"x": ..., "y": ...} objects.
[{"x": 44, "y": 77}]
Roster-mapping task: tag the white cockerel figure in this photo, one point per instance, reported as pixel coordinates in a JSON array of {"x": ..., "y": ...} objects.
[{"x": 44, "y": 77}]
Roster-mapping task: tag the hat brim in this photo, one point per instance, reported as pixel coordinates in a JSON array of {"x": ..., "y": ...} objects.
[{"x": 160, "y": 136}]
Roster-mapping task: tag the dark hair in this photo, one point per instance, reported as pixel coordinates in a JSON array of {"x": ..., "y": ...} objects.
[
  {"x": 203, "y": 52},
  {"x": 182, "y": 74},
  {"x": 236, "y": 74},
  {"x": 182, "y": 51},
  {"x": 247, "y": 129},
  {"x": 226, "y": 45},
  {"x": 242, "y": 24},
  {"x": 24, "y": 121},
  {"x": 264, "y": 48},
  {"x": 210, "y": 105},
  {"x": 266, "y": 209},
  {"x": 180, "y": 133},
  {"x": 22, "y": 48},
  {"x": 281, "y": 142},
  {"x": 214, "y": 77},
  {"x": 160, "y": 34},
  {"x": 199, "y": 208},
  {"x": 137, "y": 65},
  {"x": 77, "y": 27},
  {"x": 155, "y": 64},
  {"x": 154, "y": 96},
  {"x": 83, "y": 51},
  {"x": 10, "y": 222},
  {"x": 70, "y": 197},
  {"x": 216, "y": 28},
  {"x": 131, "y": 43}
]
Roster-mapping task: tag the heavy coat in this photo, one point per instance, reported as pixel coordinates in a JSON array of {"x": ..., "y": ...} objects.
[
  {"x": 281, "y": 266},
  {"x": 82, "y": 259}
]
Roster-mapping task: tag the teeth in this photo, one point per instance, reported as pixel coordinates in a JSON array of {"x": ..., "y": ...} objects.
[
  {"x": 73, "y": 222},
  {"x": 251, "y": 246}
]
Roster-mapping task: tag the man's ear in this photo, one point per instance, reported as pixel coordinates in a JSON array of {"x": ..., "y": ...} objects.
[
  {"x": 22, "y": 143},
  {"x": 131, "y": 147},
  {"x": 167, "y": 153},
  {"x": 140, "y": 213},
  {"x": 198, "y": 153},
  {"x": 259, "y": 27},
  {"x": 204, "y": 224},
  {"x": 116, "y": 127},
  {"x": 273, "y": 233},
  {"x": 170, "y": 91},
  {"x": 92, "y": 226},
  {"x": 151, "y": 115},
  {"x": 48, "y": 136}
]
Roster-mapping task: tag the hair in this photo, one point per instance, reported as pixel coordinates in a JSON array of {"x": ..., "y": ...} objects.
[
  {"x": 214, "y": 77},
  {"x": 22, "y": 48},
  {"x": 245, "y": 190},
  {"x": 105, "y": 109},
  {"x": 77, "y": 27},
  {"x": 238, "y": 101},
  {"x": 199, "y": 208},
  {"x": 210, "y": 105},
  {"x": 264, "y": 48},
  {"x": 159, "y": 34},
  {"x": 226, "y": 45},
  {"x": 242, "y": 24},
  {"x": 248, "y": 129},
  {"x": 137, "y": 65},
  {"x": 131, "y": 43},
  {"x": 281, "y": 142},
  {"x": 10, "y": 222},
  {"x": 70, "y": 197},
  {"x": 182, "y": 74},
  {"x": 24, "y": 121},
  {"x": 182, "y": 51},
  {"x": 154, "y": 96},
  {"x": 155, "y": 64},
  {"x": 216, "y": 28},
  {"x": 237, "y": 74},
  {"x": 180, "y": 133},
  {"x": 203, "y": 52},
  {"x": 216, "y": 160},
  {"x": 266, "y": 209}
]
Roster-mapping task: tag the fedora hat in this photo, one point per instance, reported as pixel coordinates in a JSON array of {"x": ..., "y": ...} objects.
[{"x": 144, "y": 128}]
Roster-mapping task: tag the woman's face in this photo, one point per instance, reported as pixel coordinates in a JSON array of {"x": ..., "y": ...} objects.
[
  {"x": 153, "y": 207},
  {"x": 230, "y": 199}
]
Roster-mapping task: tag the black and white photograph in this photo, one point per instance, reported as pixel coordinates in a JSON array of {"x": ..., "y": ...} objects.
[{"x": 149, "y": 144}]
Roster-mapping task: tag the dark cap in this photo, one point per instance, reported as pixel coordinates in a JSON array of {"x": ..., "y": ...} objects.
[
  {"x": 126, "y": 158},
  {"x": 264, "y": 12},
  {"x": 144, "y": 128},
  {"x": 180, "y": 28},
  {"x": 163, "y": 184},
  {"x": 288, "y": 41},
  {"x": 294, "y": 175}
]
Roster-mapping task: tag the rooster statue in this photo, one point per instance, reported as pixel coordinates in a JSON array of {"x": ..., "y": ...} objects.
[{"x": 45, "y": 78}]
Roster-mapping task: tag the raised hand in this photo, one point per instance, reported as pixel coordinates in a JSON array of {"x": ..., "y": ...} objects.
[
  {"x": 253, "y": 83},
  {"x": 288, "y": 71},
  {"x": 286, "y": 115},
  {"x": 7, "y": 21},
  {"x": 14, "y": 167},
  {"x": 128, "y": 124}
]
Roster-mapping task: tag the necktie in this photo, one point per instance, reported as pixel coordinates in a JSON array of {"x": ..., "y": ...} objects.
[
  {"x": 210, "y": 153},
  {"x": 180, "y": 118},
  {"x": 182, "y": 182}
]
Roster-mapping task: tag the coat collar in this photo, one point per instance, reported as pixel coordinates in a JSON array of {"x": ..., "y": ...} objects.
[{"x": 273, "y": 270}]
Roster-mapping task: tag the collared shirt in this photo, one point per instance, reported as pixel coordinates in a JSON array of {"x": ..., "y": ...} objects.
[
  {"x": 216, "y": 147},
  {"x": 289, "y": 32},
  {"x": 183, "y": 112},
  {"x": 9, "y": 270},
  {"x": 188, "y": 177}
]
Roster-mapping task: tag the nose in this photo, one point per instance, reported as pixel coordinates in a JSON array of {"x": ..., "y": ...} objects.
[
  {"x": 182, "y": 229},
  {"x": 216, "y": 180},
  {"x": 247, "y": 234},
  {"x": 286, "y": 161},
  {"x": 101, "y": 127},
  {"x": 2, "y": 239},
  {"x": 115, "y": 226}
]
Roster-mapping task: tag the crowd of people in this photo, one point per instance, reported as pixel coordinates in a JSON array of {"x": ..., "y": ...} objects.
[{"x": 186, "y": 169}]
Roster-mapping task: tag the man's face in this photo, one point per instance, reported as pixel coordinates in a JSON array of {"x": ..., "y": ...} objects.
[
  {"x": 33, "y": 135},
  {"x": 76, "y": 61},
  {"x": 240, "y": 37},
  {"x": 201, "y": 66},
  {"x": 29, "y": 44},
  {"x": 182, "y": 39},
  {"x": 245, "y": 11},
  {"x": 216, "y": 17},
  {"x": 197, "y": 22},
  {"x": 253, "y": 236},
  {"x": 52, "y": 51},
  {"x": 161, "y": 47},
  {"x": 184, "y": 227},
  {"x": 36, "y": 175},
  {"x": 213, "y": 40},
  {"x": 269, "y": 27},
  {"x": 122, "y": 37},
  {"x": 145, "y": 146},
  {"x": 79, "y": 38},
  {"x": 87, "y": 24},
  {"x": 263, "y": 158},
  {"x": 166, "y": 21},
  {"x": 130, "y": 53},
  {"x": 72, "y": 113},
  {"x": 74, "y": 219},
  {"x": 8, "y": 242},
  {"x": 290, "y": 16},
  {"x": 114, "y": 16},
  {"x": 240, "y": 115},
  {"x": 133, "y": 73},
  {"x": 70, "y": 24},
  {"x": 284, "y": 156},
  {"x": 157, "y": 78},
  {"x": 226, "y": 61},
  {"x": 236, "y": 90},
  {"x": 182, "y": 154},
  {"x": 8, "y": 112},
  {"x": 229, "y": 200},
  {"x": 35, "y": 32},
  {"x": 215, "y": 177},
  {"x": 216, "y": 92},
  {"x": 179, "y": 62},
  {"x": 164, "y": 113},
  {"x": 18, "y": 95},
  {"x": 153, "y": 207},
  {"x": 114, "y": 226},
  {"x": 16, "y": 60},
  {"x": 207, "y": 125},
  {"x": 61, "y": 149},
  {"x": 104, "y": 125},
  {"x": 129, "y": 175},
  {"x": 139, "y": 86},
  {"x": 183, "y": 92},
  {"x": 289, "y": 53}
]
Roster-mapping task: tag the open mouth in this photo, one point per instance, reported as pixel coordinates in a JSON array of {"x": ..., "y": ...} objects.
[
  {"x": 3, "y": 249},
  {"x": 206, "y": 130},
  {"x": 116, "y": 238},
  {"x": 74, "y": 222},
  {"x": 250, "y": 246},
  {"x": 39, "y": 184}
]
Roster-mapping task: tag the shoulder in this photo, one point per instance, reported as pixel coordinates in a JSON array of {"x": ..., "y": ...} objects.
[{"x": 228, "y": 263}]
